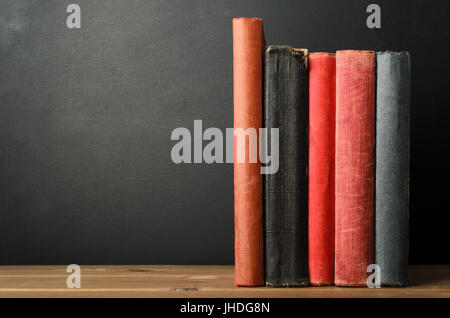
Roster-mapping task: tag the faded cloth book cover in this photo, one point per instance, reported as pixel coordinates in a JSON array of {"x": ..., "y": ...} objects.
[
  {"x": 286, "y": 192},
  {"x": 355, "y": 155},
  {"x": 322, "y": 112},
  {"x": 392, "y": 167},
  {"x": 248, "y": 49}
]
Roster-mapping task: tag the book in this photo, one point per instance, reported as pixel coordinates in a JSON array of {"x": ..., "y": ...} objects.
[
  {"x": 355, "y": 154},
  {"x": 248, "y": 50},
  {"x": 322, "y": 112},
  {"x": 392, "y": 167},
  {"x": 286, "y": 192}
]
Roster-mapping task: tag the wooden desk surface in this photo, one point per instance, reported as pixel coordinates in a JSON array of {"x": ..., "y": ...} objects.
[{"x": 192, "y": 281}]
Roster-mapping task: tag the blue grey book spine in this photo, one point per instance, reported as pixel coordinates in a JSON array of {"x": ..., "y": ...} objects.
[{"x": 392, "y": 167}]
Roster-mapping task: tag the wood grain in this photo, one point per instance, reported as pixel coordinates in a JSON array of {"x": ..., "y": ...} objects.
[{"x": 193, "y": 281}]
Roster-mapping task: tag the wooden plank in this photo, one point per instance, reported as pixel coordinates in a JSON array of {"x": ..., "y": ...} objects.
[{"x": 192, "y": 281}]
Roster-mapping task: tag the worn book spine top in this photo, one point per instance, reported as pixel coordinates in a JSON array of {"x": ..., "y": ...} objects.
[
  {"x": 392, "y": 167},
  {"x": 322, "y": 111},
  {"x": 286, "y": 196},
  {"x": 355, "y": 154},
  {"x": 248, "y": 48}
]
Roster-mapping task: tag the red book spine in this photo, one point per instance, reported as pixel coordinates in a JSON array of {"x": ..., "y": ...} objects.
[
  {"x": 248, "y": 47},
  {"x": 322, "y": 110},
  {"x": 355, "y": 145}
]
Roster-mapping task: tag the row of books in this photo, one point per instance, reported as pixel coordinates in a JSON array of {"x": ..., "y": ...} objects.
[{"x": 340, "y": 199}]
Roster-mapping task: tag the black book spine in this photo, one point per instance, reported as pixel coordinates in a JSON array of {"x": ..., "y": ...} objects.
[
  {"x": 286, "y": 192},
  {"x": 392, "y": 167}
]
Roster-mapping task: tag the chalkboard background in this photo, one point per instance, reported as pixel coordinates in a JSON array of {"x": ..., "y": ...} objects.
[{"x": 86, "y": 116}]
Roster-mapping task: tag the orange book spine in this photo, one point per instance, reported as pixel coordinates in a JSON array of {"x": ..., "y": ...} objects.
[{"x": 248, "y": 47}]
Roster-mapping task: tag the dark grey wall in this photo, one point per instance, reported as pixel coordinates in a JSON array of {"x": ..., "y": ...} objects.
[{"x": 86, "y": 116}]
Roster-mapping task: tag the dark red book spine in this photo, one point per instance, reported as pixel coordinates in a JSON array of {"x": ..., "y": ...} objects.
[
  {"x": 355, "y": 146},
  {"x": 322, "y": 110},
  {"x": 248, "y": 48}
]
